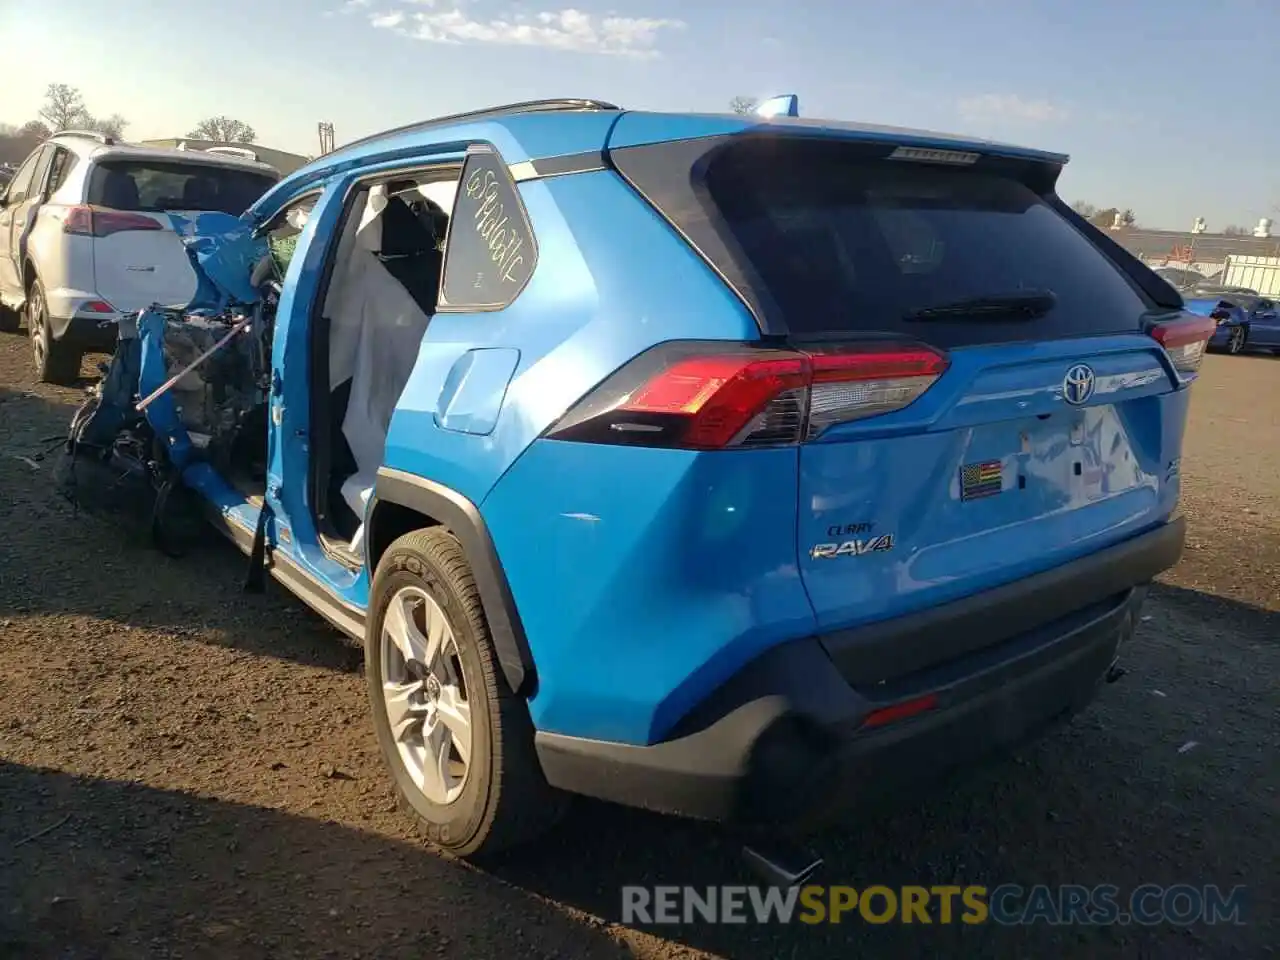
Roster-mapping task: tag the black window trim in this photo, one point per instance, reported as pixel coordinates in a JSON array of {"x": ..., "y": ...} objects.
[
  {"x": 442, "y": 304},
  {"x": 72, "y": 160}
]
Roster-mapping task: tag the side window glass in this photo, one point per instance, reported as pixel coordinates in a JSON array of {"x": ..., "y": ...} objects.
[
  {"x": 490, "y": 250},
  {"x": 282, "y": 239},
  {"x": 63, "y": 161},
  {"x": 42, "y": 168},
  {"x": 20, "y": 185}
]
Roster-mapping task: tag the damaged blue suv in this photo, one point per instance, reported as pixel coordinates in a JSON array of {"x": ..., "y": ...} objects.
[{"x": 740, "y": 468}]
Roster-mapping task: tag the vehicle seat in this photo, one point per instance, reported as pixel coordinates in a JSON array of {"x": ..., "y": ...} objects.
[
  {"x": 197, "y": 194},
  {"x": 411, "y": 254},
  {"x": 119, "y": 191}
]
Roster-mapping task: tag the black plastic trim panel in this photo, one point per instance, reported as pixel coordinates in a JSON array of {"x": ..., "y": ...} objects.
[
  {"x": 569, "y": 163},
  {"x": 459, "y": 515},
  {"x": 882, "y": 652}
]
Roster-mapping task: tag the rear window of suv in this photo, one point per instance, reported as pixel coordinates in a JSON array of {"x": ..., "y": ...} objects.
[
  {"x": 832, "y": 238},
  {"x": 157, "y": 186}
]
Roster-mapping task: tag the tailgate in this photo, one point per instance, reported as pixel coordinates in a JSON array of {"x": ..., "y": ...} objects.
[
  {"x": 992, "y": 475},
  {"x": 136, "y": 265},
  {"x": 992, "y": 387},
  {"x": 139, "y": 258}
]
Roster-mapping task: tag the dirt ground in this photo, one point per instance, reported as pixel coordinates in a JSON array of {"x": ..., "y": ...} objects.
[{"x": 189, "y": 771}]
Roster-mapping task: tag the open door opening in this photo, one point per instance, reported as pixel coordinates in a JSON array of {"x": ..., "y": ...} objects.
[{"x": 383, "y": 290}]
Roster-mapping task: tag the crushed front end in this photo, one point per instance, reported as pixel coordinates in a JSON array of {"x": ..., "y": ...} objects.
[{"x": 186, "y": 385}]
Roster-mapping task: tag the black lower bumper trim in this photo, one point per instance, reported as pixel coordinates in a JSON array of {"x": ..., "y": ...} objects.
[
  {"x": 85, "y": 332},
  {"x": 892, "y": 649},
  {"x": 782, "y": 743}
]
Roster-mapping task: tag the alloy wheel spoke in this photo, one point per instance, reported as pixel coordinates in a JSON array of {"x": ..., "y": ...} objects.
[
  {"x": 455, "y": 714},
  {"x": 406, "y": 636},
  {"x": 403, "y": 712},
  {"x": 436, "y": 779}
]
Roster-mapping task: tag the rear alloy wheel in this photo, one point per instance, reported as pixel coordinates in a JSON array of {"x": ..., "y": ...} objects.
[
  {"x": 55, "y": 362},
  {"x": 1236, "y": 341},
  {"x": 458, "y": 742}
]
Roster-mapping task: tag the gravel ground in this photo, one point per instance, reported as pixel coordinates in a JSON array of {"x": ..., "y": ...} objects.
[{"x": 189, "y": 771}]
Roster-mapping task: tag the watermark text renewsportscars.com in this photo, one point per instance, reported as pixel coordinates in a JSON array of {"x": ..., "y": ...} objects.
[{"x": 1008, "y": 904}]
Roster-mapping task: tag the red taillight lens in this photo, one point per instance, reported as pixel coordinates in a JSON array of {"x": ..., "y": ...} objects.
[
  {"x": 707, "y": 396},
  {"x": 97, "y": 306},
  {"x": 94, "y": 221},
  {"x": 1185, "y": 341}
]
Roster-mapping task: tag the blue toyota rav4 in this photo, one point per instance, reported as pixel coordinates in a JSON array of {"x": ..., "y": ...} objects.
[{"x": 733, "y": 467}]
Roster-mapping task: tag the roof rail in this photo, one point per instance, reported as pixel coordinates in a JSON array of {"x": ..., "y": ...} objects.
[
  {"x": 103, "y": 138},
  {"x": 488, "y": 113}
]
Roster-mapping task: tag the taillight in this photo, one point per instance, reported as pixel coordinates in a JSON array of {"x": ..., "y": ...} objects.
[
  {"x": 1185, "y": 341},
  {"x": 708, "y": 396},
  {"x": 94, "y": 221}
]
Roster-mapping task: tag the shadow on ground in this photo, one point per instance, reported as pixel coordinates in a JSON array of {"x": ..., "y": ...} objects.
[
  {"x": 130, "y": 871},
  {"x": 58, "y": 555}
]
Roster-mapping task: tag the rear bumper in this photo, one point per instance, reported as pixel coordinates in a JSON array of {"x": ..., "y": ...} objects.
[
  {"x": 86, "y": 332},
  {"x": 784, "y": 743}
]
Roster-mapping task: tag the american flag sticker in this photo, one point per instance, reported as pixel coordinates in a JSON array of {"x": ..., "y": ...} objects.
[{"x": 979, "y": 480}]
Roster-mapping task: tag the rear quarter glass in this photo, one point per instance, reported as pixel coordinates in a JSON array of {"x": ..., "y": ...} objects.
[{"x": 831, "y": 238}]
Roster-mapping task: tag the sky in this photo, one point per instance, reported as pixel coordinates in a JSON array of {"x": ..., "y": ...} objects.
[{"x": 1169, "y": 108}]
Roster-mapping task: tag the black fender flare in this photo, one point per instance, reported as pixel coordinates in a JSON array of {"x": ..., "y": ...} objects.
[{"x": 460, "y": 516}]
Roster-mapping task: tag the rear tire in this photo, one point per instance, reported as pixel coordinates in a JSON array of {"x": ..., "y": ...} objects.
[
  {"x": 55, "y": 361},
  {"x": 495, "y": 796},
  {"x": 1237, "y": 339}
]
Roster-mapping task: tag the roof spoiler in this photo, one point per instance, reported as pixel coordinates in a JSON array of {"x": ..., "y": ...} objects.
[{"x": 242, "y": 152}]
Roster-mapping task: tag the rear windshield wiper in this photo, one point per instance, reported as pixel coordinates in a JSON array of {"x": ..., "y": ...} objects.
[{"x": 1023, "y": 305}]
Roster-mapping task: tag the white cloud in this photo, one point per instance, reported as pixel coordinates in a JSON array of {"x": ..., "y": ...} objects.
[
  {"x": 348, "y": 6},
  {"x": 446, "y": 21},
  {"x": 1010, "y": 106}
]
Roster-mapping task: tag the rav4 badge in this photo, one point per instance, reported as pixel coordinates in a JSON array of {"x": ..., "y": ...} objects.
[{"x": 852, "y": 548}]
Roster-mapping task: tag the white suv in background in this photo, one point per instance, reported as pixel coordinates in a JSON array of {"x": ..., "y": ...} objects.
[{"x": 85, "y": 237}]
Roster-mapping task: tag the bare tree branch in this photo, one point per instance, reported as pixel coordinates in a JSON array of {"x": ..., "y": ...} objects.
[{"x": 224, "y": 130}]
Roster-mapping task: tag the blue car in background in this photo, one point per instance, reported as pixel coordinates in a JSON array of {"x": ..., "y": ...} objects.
[
  {"x": 733, "y": 467},
  {"x": 1245, "y": 320}
]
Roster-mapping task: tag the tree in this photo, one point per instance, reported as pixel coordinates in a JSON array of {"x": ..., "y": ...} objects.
[
  {"x": 224, "y": 130},
  {"x": 1128, "y": 218},
  {"x": 63, "y": 107},
  {"x": 1103, "y": 219},
  {"x": 1234, "y": 231},
  {"x": 112, "y": 126},
  {"x": 743, "y": 105},
  {"x": 17, "y": 142},
  {"x": 1086, "y": 210}
]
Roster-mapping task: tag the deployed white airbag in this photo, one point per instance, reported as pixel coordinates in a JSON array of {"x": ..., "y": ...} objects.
[{"x": 376, "y": 329}]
